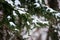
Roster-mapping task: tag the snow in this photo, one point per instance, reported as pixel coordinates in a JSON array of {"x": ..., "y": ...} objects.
[
  {"x": 14, "y": 13},
  {"x": 33, "y": 33},
  {"x": 11, "y": 23},
  {"x": 58, "y": 14},
  {"x": 17, "y": 2},
  {"x": 10, "y": 2},
  {"x": 41, "y": 19}
]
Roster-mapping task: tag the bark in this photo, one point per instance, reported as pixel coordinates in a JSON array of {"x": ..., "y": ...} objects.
[
  {"x": 52, "y": 34},
  {"x": 6, "y": 34},
  {"x": 54, "y": 4}
]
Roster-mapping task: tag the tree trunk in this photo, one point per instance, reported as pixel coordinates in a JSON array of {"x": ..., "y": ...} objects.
[{"x": 52, "y": 34}]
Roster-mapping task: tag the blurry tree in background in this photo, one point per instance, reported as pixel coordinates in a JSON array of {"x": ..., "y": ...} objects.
[{"x": 12, "y": 21}]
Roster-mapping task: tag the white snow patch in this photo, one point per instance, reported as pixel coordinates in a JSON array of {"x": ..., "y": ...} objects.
[{"x": 11, "y": 23}]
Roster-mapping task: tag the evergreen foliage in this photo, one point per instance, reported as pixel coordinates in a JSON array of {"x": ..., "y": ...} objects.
[{"x": 21, "y": 20}]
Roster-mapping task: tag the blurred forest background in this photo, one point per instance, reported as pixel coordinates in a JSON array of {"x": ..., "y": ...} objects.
[{"x": 29, "y": 20}]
